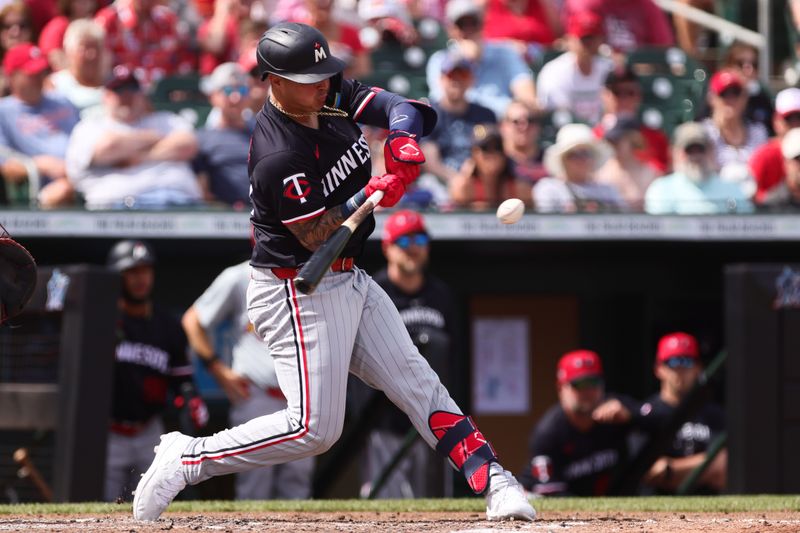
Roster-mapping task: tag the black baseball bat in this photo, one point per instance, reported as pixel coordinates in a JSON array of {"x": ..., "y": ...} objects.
[{"x": 321, "y": 260}]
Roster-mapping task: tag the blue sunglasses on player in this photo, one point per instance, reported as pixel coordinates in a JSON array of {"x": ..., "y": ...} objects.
[
  {"x": 680, "y": 362},
  {"x": 417, "y": 239}
]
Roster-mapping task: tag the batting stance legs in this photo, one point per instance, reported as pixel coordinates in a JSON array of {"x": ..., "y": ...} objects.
[{"x": 348, "y": 325}]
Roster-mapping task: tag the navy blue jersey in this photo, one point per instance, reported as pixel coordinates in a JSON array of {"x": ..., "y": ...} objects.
[
  {"x": 297, "y": 173},
  {"x": 151, "y": 358},
  {"x": 566, "y": 461},
  {"x": 696, "y": 433}
]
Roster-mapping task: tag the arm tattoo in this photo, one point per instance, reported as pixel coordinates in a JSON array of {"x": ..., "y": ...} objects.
[{"x": 314, "y": 232}]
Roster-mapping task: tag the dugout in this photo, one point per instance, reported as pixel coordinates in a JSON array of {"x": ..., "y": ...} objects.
[{"x": 612, "y": 283}]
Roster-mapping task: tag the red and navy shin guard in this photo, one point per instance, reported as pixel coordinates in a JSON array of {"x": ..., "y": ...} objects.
[{"x": 465, "y": 446}]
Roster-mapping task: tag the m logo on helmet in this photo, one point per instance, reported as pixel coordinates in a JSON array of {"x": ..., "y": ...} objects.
[{"x": 319, "y": 53}]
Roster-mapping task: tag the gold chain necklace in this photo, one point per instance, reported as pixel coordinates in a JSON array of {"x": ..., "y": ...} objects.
[{"x": 327, "y": 111}]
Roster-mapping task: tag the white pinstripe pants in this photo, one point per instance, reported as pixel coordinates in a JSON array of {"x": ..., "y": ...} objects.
[{"x": 348, "y": 324}]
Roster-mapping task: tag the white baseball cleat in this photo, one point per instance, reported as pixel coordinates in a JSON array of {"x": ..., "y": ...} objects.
[
  {"x": 163, "y": 480},
  {"x": 505, "y": 499}
]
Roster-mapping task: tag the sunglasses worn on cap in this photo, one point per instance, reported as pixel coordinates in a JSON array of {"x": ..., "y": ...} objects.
[
  {"x": 680, "y": 362},
  {"x": 592, "y": 382},
  {"x": 417, "y": 239}
]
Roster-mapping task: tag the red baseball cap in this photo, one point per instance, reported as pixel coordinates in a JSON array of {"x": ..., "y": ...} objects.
[
  {"x": 585, "y": 23},
  {"x": 578, "y": 364},
  {"x": 725, "y": 79},
  {"x": 25, "y": 57},
  {"x": 402, "y": 223},
  {"x": 677, "y": 344}
]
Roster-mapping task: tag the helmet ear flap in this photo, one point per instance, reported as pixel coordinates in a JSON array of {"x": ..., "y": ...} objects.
[{"x": 335, "y": 91}]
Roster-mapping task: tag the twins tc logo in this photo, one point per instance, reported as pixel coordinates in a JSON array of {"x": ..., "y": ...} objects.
[
  {"x": 319, "y": 53},
  {"x": 296, "y": 188}
]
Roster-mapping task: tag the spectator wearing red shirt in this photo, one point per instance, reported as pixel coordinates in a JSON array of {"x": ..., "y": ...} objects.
[
  {"x": 523, "y": 22},
  {"x": 622, "y": 98},
  {"x": 51, "y": 40},
  {"x": 147, "y": 38},
  {"x": 629, "y": 24},
  {"x": 222, "y": 35},
  {"x": 766, "y": 163}
]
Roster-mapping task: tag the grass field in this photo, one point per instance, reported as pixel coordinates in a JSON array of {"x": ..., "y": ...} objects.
[{"x": 687, "y": 504}]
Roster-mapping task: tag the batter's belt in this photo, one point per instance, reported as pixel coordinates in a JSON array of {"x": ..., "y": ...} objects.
[{"x": 341, "y": 264}]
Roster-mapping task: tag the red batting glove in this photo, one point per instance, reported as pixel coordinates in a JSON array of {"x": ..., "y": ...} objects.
[
  {"x": 403, "y": 156},
  {"x": 391, "y": 185},
  {"x": 198, "y": 412}
]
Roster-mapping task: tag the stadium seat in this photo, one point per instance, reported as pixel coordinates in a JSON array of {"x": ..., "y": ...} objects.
[
  {"x": 673, "y": 84},
  {"x": 182, "y": 95}
]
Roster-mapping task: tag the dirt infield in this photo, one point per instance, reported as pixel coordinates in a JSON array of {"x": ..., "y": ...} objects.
[{"x": 579, "y": 522}]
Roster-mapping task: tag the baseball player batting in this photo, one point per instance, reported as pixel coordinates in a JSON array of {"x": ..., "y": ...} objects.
[{"x": 310, "y": 169}]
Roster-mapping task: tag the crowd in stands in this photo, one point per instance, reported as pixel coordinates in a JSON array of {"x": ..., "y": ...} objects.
[{"x": 569, "y": 105}]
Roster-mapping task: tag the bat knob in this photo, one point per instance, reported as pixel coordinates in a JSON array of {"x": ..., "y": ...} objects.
[
  {"x": 304, "y": 286},
  {"x": 20, "y": 455}
]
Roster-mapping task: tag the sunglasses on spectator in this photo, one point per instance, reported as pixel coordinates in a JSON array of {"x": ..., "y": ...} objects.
[
  {"x": 580, "y": 154},
  {"x": 20, "y": 25},
  {"x": 625, "y": 93},
  {"x": 695, "y": 149},
  {"x": 524, "y": 121},
  {"x": 230, "y": 89},
  {"x": 742, "y": 63},
  {"x": 731, "y": 92},
  {"x": 680, "y": 362},
  {"x": 468, "y": 23},
  {"x": 417, "y": 239},
  {"x": 586, "y": 383},
  {"x": 793, "y": 118}
]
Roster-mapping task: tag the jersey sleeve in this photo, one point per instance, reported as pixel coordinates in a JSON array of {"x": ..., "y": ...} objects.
[
  {"x": 219, "y": 299},
  {"x": 372, "y": 105},
  {"x": 545, "y": 474},
  {"x": 294, "y": 187}
]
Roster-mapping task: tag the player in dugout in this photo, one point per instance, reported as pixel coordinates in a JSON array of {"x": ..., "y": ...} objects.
[
  {"x": 678, "y": 367},
  {"x": 579, "y": 443},
  {"x": 150, "y": 359},
  {"x": 310, "y": 169}
]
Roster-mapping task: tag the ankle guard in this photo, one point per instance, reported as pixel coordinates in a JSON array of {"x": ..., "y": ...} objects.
[{"x": 465, "y": 446}]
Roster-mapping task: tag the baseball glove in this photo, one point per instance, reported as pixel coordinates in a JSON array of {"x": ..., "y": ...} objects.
[{"x": 17, "y": 276}]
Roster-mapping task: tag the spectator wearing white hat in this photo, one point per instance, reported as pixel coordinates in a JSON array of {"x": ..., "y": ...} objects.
[
  {"x": 223, "y": 145},
  {"x": 766, "y": 163},
  {"x": 787, "y": 193},
  {"x": 695, "y": 188},
  {"x": 573, "y": 162}
]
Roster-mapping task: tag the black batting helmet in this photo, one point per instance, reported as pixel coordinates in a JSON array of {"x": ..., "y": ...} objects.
[
  {"x": 297, "y": 52},
  {"x": 128, "y": 254}
]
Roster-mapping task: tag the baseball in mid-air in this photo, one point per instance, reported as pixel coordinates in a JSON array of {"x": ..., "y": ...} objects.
[{"x": 510, "y": 211}]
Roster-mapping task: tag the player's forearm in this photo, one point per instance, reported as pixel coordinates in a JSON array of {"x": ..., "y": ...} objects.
[
  {"x": 314, "y": 232},
  {"x": 196, "y": 335}
]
